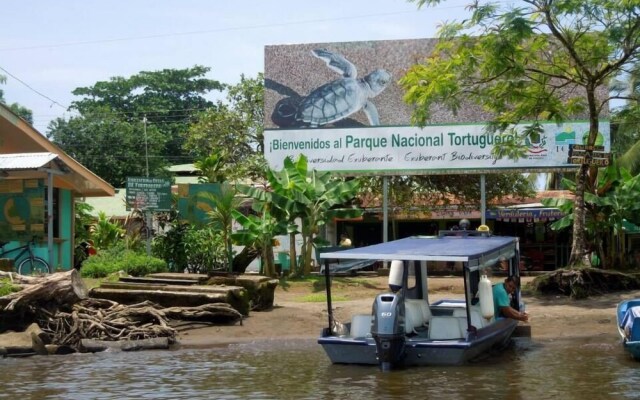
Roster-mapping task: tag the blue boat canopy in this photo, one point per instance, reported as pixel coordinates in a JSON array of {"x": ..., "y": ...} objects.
[{"x": 476, "y": 251}]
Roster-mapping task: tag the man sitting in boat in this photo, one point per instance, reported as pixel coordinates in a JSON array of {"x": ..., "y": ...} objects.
[{"x": 501, "y": 302}]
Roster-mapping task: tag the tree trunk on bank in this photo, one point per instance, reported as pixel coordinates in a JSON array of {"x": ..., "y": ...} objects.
[
  {"x": 293, "y": 262},
  {"x": 579, "y": 253},
  {"x": 244, "y": 258},
  {"x": 62, "y": 288}
]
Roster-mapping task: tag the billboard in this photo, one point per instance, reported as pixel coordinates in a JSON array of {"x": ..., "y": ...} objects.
[{"x": 340, "y": 105}]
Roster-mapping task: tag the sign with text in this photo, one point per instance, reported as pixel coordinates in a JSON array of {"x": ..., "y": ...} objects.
[
  {"x": 579, "y": 154},
  {"x": 152, "y": 194},
  {"x": 340, "y": 104},
  {"x": 430, "y": 150}
]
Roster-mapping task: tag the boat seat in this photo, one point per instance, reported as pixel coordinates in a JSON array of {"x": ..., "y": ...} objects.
[
  {"x": 476, "y": 317},
  {"x": 424, "y": 309},
  {"x": 631, "y": 324},
  {"x": 361, "y": 325},
  {"x": 446, "y": 328},
  {"x": 412, "y": 316}
]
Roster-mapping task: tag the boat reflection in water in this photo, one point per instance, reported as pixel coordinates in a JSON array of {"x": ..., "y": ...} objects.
[{"x": 404, "y": 328}]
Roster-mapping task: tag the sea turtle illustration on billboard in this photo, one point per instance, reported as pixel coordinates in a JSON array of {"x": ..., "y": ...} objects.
[{"x": 336, "y": 100}]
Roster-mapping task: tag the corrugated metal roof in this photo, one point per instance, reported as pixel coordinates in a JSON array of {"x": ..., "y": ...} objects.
[
  {"x": 184, "y": 168},
  {"x": 22, "y": 161}
]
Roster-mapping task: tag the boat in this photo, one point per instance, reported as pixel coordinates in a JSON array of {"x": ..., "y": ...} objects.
[
  {"x": 404, "y": 328},
  {"x": 628, "y": 321}
]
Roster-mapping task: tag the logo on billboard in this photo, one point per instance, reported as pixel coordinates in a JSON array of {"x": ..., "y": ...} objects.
[{"x": 537, "y": 143}]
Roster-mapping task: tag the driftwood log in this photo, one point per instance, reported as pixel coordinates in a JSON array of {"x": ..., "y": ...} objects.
[
  {"x": 261, "y": 289},
  {"x": 66, "y": 317},
  {"x": 106, "y": 320},
  {"x": 168, "y": 297},
  {"x": 62, "y": 288}
]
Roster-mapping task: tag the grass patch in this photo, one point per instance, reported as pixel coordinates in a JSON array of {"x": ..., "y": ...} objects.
[
  {"x": 6, "y": 287},
  {"x": 320, "y": 298},
  {"x": 90, "y": 283},
  {"x": 317, "y": 283}
]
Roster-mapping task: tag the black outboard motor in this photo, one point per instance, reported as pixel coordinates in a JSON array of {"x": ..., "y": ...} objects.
[{"x": 388, "y": 329}]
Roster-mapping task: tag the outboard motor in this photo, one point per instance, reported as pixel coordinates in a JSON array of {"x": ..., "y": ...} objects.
[{"x": 388, "y": 321}]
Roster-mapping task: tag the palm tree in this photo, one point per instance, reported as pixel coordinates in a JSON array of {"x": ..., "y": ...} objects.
[
  {"x": 626, "y": 145},
  {"x": 221, "y": 216}
]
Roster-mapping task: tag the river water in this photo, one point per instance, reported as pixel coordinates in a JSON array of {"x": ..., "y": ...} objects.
[{"x": 589, "y": 368}]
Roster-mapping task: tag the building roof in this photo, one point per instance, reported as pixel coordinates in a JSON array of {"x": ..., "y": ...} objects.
[
  {"x": 27, "y": 161},
  {"x": 113, "y": 206},
  {"x": 188, "y": 168},
  {"x": 18, "y": 136}
]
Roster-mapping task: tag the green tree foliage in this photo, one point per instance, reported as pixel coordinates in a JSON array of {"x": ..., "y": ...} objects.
[
  {"x": 109, "y": 146},
  {"x": 258, "y": 232},
  {"x": 211, "y": 169},
  {"x": 21, "y": 111},
  {"x": 626, "y": 141},
  {"x": 221, "y": 217},
  {"x": 106, "y": 234},
  {"x": 233, "y": 131},
  {"x": 616, "y": 199},
  {"x": 312, "y": 196},
  {"x": 533, "y": 60},
  {"x": 113, "y": 112}
]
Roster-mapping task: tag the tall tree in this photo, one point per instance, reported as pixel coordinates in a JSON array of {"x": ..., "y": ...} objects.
[
  {"x": 110, "y": 147},
  {"x": 537, "y": 60},
  {"x": 165, "y": 100},
  {"x": 626, "y": 145},
  {"x": 233, "y": 130}
]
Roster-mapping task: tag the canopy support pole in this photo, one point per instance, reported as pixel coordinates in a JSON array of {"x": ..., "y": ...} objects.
[
  {"x": 483, "y": 199},
  {"x": 385, "y": 209}
]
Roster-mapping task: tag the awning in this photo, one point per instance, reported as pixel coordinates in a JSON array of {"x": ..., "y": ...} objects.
[
  {"x": 630, "y": 227},
  {"x": 530, "y": 214},
  {"x": 29, "y": 161},
  {"x": 18, "y": 137}
]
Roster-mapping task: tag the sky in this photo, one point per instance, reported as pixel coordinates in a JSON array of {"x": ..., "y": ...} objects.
[{"x": 49, "y": 48}]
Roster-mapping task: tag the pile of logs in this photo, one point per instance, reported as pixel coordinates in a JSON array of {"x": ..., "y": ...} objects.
[{"x": 69, "y": 321}]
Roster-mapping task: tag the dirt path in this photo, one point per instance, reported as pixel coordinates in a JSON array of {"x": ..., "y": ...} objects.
[{"x": 551, "y": 317}]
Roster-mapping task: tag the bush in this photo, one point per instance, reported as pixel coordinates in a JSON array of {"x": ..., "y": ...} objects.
[
  {"x": 118, "y": 259},
  {"x": 198, "y": 250}
]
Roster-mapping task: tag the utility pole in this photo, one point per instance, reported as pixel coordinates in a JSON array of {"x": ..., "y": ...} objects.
[
  {"x": 146, "y": 146},
  {"x": 147, "y": 212}
]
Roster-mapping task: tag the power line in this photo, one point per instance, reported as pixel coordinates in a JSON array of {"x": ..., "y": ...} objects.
[
  {"x": 32, "y": 89},
  {"x": 219, "y": 30}
]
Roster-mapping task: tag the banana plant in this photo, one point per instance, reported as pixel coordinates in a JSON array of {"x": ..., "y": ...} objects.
[
  {"x": 614, "y": 197},
  {"x": 312, "y": 197},
  {"x": 258, "y": 231},
  {"x": 318, "y": 198}
]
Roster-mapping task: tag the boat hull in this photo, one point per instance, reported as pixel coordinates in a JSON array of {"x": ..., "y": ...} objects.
[
  {"x": 628, "y": 322},
  {"x": 420, "y": 351}
]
